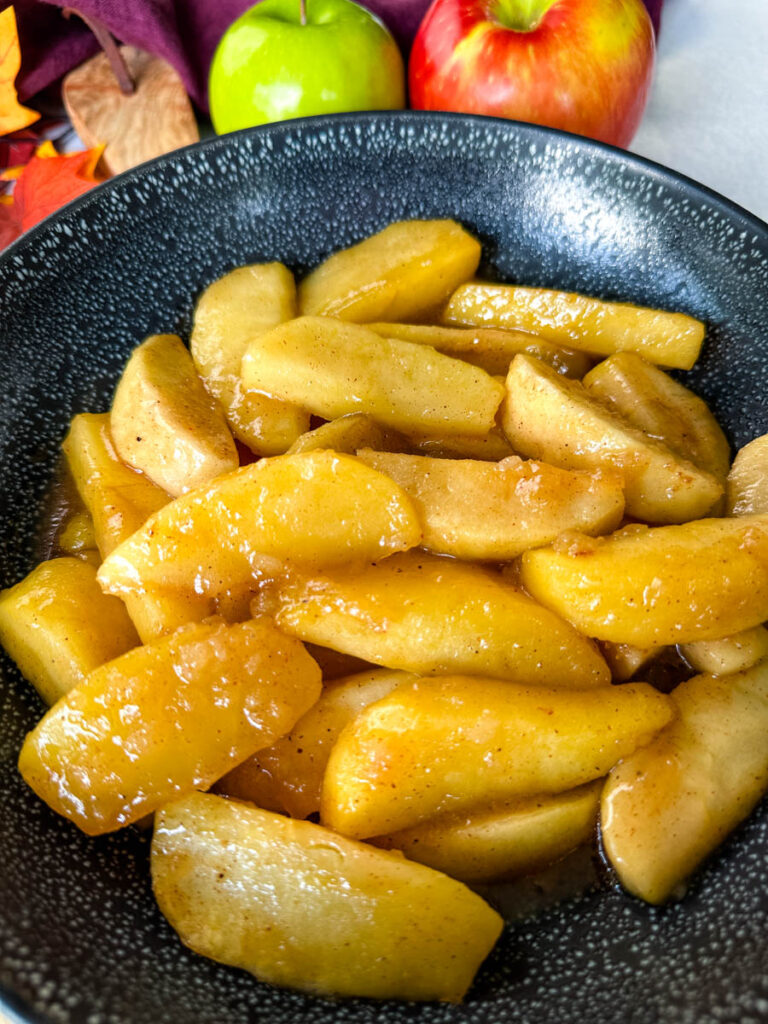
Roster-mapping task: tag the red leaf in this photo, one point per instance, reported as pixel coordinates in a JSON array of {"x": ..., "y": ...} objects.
[
  {"x": 10, "y": 228},
  {"x": 50, "y": 180}
]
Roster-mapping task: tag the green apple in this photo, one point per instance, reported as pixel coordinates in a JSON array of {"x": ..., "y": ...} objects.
[{"x": 288, "y": 58}]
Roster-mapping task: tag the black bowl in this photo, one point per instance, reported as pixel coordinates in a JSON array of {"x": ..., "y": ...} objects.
[{"x": 80, "y": 936}]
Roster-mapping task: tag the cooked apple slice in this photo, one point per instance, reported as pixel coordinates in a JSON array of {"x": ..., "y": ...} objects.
[
  {"x": 747, "y": 487},
  {"x": 491, "y": 350},
  {"x": 78, "y": 535},
  {"x": 669, "y": 805},
  {"x": 58, "y": 626},
  {"x": 120, "y": 501},
  {"x": 157, "y": 612},
  {"x": 288, "y": 776},
  {"x": 165, "y": 423},
  {"x": 661, "y": 407},
  {"x": 119, "y": 498},
  {"x": 333, "y": 368},
  {"x": 490, "y": 447},
  {"x": 166, "y": 719},
  {"x": 229, "y": 314},
  {"x": 548, "y": 417},
  {"x": 576, "y": 321},
  {"x": 451, "y": 743},
  {"x": 651, "y": 586},
  {"x": 316, "y": 508},
  {"x": 516, "y": 838},
  {"x": 433, "y": 616},
  {"x": 524, "y": 504},
  {"x": 298, "y": 906},
  {"x": 347, "y": 434},
  {"x": 400, "y": 273},
  {"x": 731, "y": 654}
]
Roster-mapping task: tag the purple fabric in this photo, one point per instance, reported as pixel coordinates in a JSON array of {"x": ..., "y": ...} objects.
[{"x": 184, "y": 32}]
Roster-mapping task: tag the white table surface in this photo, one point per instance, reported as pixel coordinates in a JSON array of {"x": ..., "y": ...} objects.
[{"x": 707, "y": 115}]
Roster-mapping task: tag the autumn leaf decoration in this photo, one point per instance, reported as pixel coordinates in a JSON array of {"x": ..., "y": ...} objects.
[
  {"x": 12, "y": 115},
  {"x": 48, "y": 181}
]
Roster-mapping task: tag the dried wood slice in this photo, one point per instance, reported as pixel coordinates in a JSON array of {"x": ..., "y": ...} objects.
[{"x": 156, "y": 118}]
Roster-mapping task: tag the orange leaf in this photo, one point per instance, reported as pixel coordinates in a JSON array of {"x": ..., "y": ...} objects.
[
  {"x": 12, "y": 115},
  {"x": 50, "y": 180}
]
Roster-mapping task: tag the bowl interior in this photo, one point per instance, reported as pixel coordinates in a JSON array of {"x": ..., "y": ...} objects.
[{"x": 80, "y": 937}]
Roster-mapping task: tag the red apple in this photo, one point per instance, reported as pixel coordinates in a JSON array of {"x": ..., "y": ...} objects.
[{"x": 581, "y": 65}]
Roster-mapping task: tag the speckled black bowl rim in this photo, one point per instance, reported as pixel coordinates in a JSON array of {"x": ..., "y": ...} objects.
[
  {"x": 535, "y": 132},
  {"x": 15, "y": 1008}
]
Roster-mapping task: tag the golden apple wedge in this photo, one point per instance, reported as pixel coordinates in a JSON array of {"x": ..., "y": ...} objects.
[
  {"x": 120, "y": 500},
  {"x": 747, "y": 486},
  {"x": 299, "y": 906},
  {"x": 347, "y": 434},
  {"x": 400, "y": 273},
  {"x": 165, "y": 423},
  {"x": 492, "y": 350},
  {"x": 669, "y": 805},
  {"x": 525, "y": 504},
  {"x": 490, "y": 447},
  {"x": 58, "y": 626},
  {"x": 437, "y": 616},
  {"x": 231, "y": 312},
  {"x": 334, "y": 368},
  {"x": 516, "y": 838},
  {"x": 661, "y": 407},
  {"x": 288, "y": 776},
  {"x": 649, "y": 586},
  {"x": 731, "y": 654},
  {"x": 448, "y": 744},
  {"x": 315, "y": 508},
  {"x": 577, "y": 321},
  {"x": 559, "y": 421},
  {"x": 166, "y": 719}
]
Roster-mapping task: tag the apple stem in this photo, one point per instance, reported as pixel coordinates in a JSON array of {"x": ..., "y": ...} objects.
[
  {"x": 110, "y": 47},
  {"x": 303, "y": 12}
]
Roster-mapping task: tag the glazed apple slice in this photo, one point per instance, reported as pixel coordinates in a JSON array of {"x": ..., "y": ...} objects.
[
  {"x": 661, "y": 407},
  {"x": 58, "y": 626},
  {"x": 120, "y": 501},
  {"x": 315, "y": 508},
  {"x": 577, "y": 321},
  {"x": 166, "y": 719},
  {"x": 651, "y": 586},
  {"x": 747, "y": 487},
  {"x": 436, "y": 616},
  {"x": 490, "y": 447},
  {"x": 731, "y": 654},
  {"x": 229, "y": 314},
  {"x": 333, "y": 368},
  {"x": 548, "y": 417},
  {"x": 288, "y": 776},
  {"x": 525, "y": 504},
  {"x": 470, "y": 742},
  {"x": 400, "y": 273},
  {"x": 347, "y": 434},
  {"x": 492, "y": 350},
  {"x": 669, "y": 805},
  {"x": 517, "y": 838},
  {"x": 299, "y": 906},
  {"x": 165, "y": 423}
]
